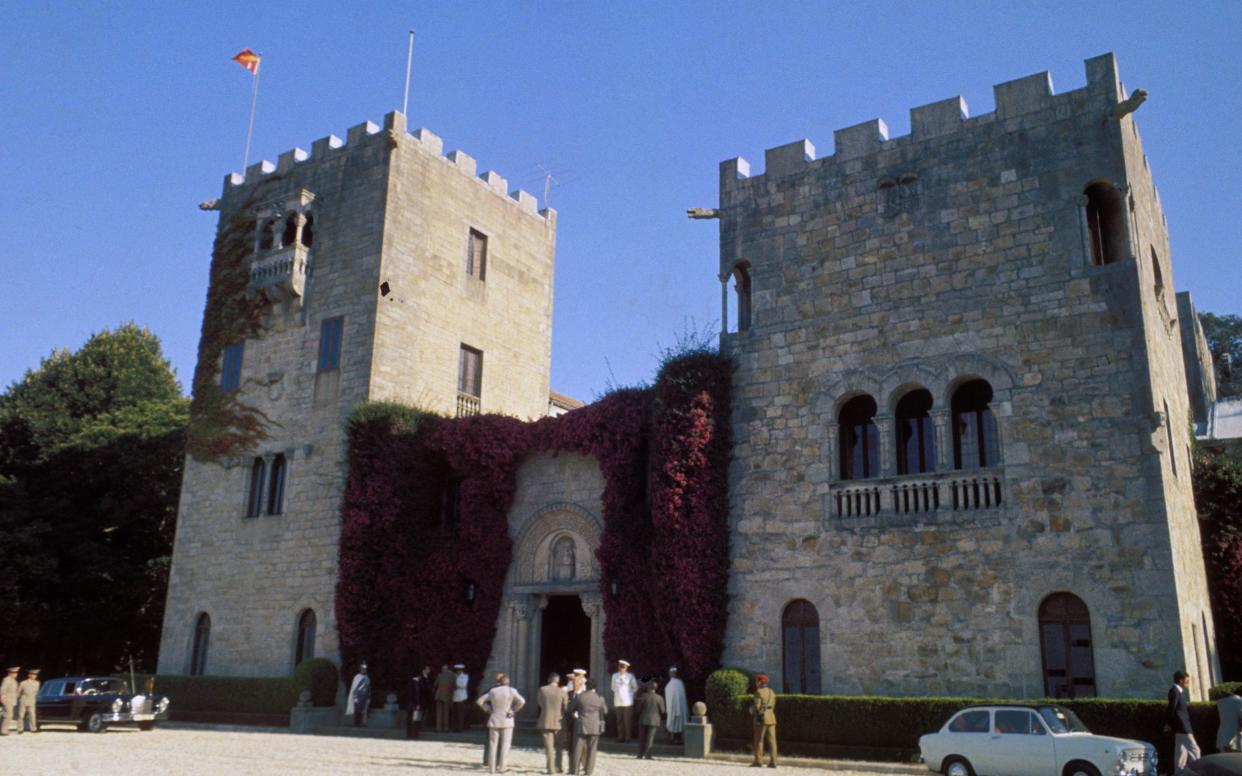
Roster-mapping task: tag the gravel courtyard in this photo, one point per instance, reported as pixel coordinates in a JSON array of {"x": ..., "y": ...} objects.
[{"x": 205, "y": 751}]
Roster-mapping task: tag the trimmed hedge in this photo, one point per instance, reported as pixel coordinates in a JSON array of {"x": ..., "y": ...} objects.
[
  {"x": 274, "y": 695},
  {"x": 896, "y": 723},
  {"x": 1225, "y": 688}
]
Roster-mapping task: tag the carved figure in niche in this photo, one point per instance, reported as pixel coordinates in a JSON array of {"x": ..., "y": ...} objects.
[{"x": 563, "y": 560}]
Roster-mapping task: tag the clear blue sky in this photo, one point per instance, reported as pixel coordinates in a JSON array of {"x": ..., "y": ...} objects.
[{"x": 118, "y": 118}]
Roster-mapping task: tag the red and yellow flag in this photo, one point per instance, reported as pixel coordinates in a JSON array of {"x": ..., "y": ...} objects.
[{"x": 248, "y": 59}]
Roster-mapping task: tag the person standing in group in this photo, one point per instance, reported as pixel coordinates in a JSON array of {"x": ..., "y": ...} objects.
[
  {"x": 501, "y": 703},
  {"x": 624, "y": 688},
  {"x": 461, "y": 696},
  {"x": 1177, "y": 720},
  {"x": 652, "y": 708},
  {"x": 553, "y": 703},
  {"x": 589, "y": 711},
  {"x": 678, "y": 707},
  {"x": 444, "y": 698},
  {"x": 1230, "y": 710},
  {"x": 359, "y": 701},
  {"x": 8, "y": 699},
  {"x": 27, "y": 693},
  {"x": 420, "y": 693},
  {"x": 763, "y": 710},
  {"x": 575, "y": 686}
]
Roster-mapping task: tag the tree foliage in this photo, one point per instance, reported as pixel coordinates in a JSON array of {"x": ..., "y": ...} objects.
[
  {"x": 1224, "y": 336},
  {"x": 91, "y": 449},
  {"x": 1218, "y": 494}
]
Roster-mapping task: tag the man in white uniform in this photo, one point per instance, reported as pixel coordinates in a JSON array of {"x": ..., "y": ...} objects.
[
  {"x": 624, "y": 688},
  {"x": 359, "y": 701},
  {"x": 460, "y": 697}
]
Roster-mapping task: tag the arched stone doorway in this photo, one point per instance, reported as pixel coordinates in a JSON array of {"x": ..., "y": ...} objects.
[{"x": 552, "y": 614}]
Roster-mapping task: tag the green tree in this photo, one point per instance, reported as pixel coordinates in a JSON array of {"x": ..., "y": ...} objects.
[
  {"x": 1224, "y": 336},
  {"x": 91, "y": 452}
]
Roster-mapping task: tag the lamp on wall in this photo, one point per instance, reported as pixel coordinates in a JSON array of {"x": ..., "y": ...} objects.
[
  {"x": 615, "y": 587},
  {"x": 469, "y": 591}
]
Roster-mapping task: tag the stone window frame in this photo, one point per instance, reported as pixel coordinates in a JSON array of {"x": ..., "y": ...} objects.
[
  {"x": 200, "y": 645},
  {"x": 1063, "y": 624},
  {"x": 872, "y": 447},
  {"x": 277, "y": 482},
  {"x": 285, "y": 222},
  {"x": 929, "y": 460},
  {"x": 470, "y": 382},
  {"x": 476, "y": 260},
  {"x": 1105, "y": 223},
  {"x": 743, "y": 296},
  {"x": 987, "y": 429},
  {"x": 331, "y": 336},
  {"x": 301, "y": 628},
  {"x": 231, "y": 365},
  {"x": 255, "y": 487}
]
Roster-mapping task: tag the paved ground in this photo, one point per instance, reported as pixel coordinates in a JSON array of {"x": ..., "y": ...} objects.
[{"x": 212, "y": 751}]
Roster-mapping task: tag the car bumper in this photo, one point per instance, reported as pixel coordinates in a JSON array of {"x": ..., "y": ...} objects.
[{"x": 124, "y": 717}]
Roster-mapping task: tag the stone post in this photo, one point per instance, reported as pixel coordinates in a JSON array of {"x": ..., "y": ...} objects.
[
  {"x": 724, "y": 304},
  {"x": 698, "y": 733},
  {"x": 888, "y": 456},
  {"x": 593, "y": 606},
  {"x": 944, "y": 442}
]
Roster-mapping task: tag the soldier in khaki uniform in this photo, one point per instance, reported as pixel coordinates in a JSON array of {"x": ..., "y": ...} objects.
[
  {"x": 8, "y": 700},
  {"x": 763, "y": 710},
  {"x": 26, "y": 692}
]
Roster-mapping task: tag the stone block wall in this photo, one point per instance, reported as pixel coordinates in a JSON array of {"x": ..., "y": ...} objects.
[{"x": 959, "y": 252}]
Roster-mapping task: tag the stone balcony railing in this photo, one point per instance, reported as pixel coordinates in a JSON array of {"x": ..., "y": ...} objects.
[
  {"x": 280, "y": 274},
  {"x": 918, "y": 494},
  {"x": 467, "y": 404}
]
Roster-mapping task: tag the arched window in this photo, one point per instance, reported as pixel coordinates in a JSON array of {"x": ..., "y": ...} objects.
[
  {"x": 974, "y": 427},
  {"x": 741, "y": 287},
  {"x": 308, "y": 230},
  {"x": 267, "y": 235},
  {"x": 860, "y": 439},
  {"x": 276, "y": 490},
  {"x": 800, "y": 641},
  {"x": 1105, "y": 223},
  {"x": 916, "y": 437},
  {"x": 258, "y": 474},
  {"x": 202, "y": 634},
  {"x": 290, "y": 235},
  {"x": 1065, "y": 643},
  {"x": 306, "y": 637},
  {"x": 562, "y": 560}
]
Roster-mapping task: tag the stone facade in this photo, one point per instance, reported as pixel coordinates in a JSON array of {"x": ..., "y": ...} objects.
[
  {"x": 391, "y": 220},
  {"x": 961, "y": 252}
]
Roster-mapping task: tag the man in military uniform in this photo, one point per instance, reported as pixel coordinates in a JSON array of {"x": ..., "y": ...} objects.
[
  {"x": 26, "y": 693},
  {"x": 763, "y": 710},
  {"x": 8, "y": 700}
]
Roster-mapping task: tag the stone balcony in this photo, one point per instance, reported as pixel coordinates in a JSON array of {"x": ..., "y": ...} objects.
[
  {"x": 467, "y": 404},
  {"x": 915, "y": 495},
  {"x": 280, "y": 274}
]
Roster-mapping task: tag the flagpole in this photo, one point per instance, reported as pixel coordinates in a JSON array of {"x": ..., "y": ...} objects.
[
  {"x": 254, "y": 98},
  {"x": 409, "y": 59}
]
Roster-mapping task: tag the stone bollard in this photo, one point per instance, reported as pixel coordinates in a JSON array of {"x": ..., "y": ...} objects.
[{"x": 698, "y": 733}]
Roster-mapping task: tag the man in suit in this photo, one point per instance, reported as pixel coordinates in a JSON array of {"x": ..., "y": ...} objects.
[
  {"x": 501, "y": 703},
  {"x": 420, "y": 692},
  {"x": 8, "y": 700},
  {"x": 553, "y": 703},
  {"x": 1177, "y": 720},
  {"x": 763, "y": 710},
  {"x": 589, "y": 710},
  {"x": 651, "y": 709},
  {"x": 575, "y": 686},
  {"x": 27, "y": 692},
  {"x": 444, "y": 698},
  {"x": 1230, "y": 710}
]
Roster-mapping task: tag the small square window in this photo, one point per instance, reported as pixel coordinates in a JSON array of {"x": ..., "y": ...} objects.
[
  {"x": 476, "y": 255},
  {"x": 330, "y": 343}
]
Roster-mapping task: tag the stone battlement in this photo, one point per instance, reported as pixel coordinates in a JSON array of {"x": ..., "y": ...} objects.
[
  {"x": 1014, "y": 100},
  {"x": 394, "y": 129}
]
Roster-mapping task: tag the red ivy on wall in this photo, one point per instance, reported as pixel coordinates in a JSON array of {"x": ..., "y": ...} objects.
[{"x": 664, "y": 453}]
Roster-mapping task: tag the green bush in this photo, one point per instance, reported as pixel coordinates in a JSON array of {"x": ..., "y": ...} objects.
[
  {"x": 1225, "y": 688},
  {"x": 727, "y": 696},
  {"x": 319, "y": 675}
]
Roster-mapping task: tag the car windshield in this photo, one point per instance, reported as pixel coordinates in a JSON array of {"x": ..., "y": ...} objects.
[
  {"x": 1061, "y": 720},
  {"x": 102, "y": 686}
]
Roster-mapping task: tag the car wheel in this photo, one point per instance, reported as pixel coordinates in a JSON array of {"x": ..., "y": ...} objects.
[
  {"x": 93, "y": 724},
  {"x": 146, "y": 726},
  {"x": 1079, "y": 768},
  {"x": 958, "y": 766}
]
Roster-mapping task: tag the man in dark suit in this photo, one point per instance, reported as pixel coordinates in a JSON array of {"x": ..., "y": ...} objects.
[
  {"x": 1177, "y": 720},
  {"x": 420, "y": 699},
  {"x": 553, "y": 703},
  {"x": 589, "y": 710}
]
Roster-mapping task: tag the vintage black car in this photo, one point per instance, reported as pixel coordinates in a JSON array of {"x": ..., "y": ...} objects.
[{"x": 95, "y": 702}]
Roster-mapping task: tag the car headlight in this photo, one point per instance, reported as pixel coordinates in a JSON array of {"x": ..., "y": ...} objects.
[{"x": 117, "y": 705}]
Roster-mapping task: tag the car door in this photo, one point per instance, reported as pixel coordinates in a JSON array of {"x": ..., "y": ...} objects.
[
  {"x": 54, "y": 698},
  {"x": 1022, "y": 744}
]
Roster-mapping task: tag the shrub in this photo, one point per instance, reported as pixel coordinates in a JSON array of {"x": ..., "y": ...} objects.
[
  {"x": 231, "y": 694},
  {"x": 1225, "y": 688},
  {"x": 319, "y": 675},
  {"x": 727, "y": 694}
]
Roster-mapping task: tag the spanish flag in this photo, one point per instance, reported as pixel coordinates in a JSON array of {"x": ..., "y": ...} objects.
[{"x": 248, "y": 59}]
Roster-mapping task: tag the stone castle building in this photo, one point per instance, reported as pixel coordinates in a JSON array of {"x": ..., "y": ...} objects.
[{"x": 961, "y": 409}]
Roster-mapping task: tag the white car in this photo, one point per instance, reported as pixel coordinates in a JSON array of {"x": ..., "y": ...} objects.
[{"x": 1030, "y": 740}]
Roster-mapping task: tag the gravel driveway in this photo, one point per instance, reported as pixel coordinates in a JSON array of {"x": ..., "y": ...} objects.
[{"x": 218, "y": 752}]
